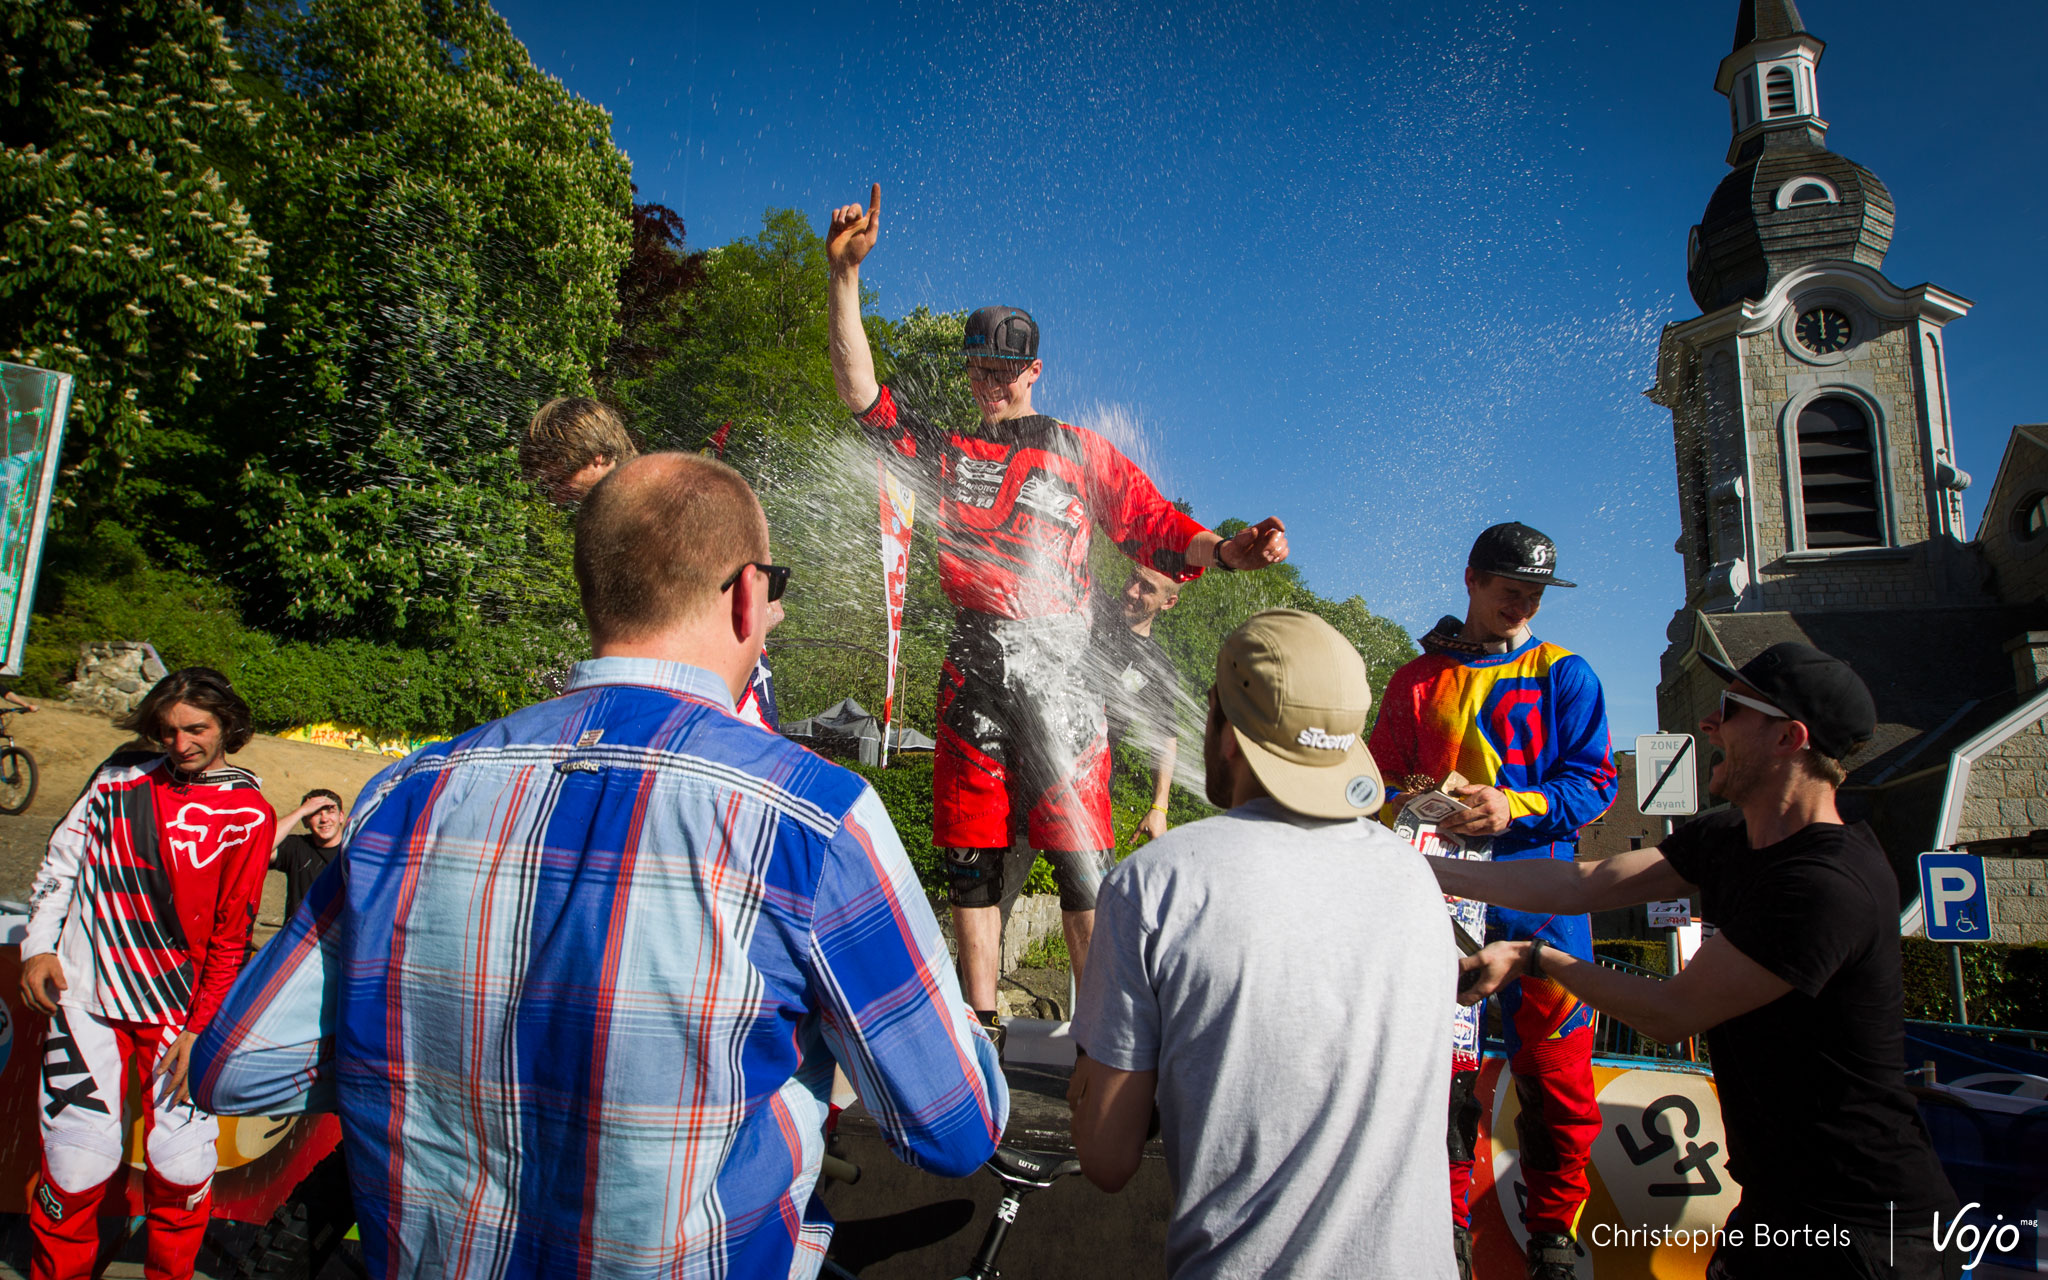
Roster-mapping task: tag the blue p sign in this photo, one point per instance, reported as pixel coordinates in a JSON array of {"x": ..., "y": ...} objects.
[{"x": 1957, "y": 906}]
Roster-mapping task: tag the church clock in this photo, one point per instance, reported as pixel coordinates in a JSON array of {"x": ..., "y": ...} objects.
[{"x": 1823, "y": 331}]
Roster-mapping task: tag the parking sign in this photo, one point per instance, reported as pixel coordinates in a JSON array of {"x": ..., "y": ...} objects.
[
  {"x": 1667, "y": 783},
  {"x": 1957, "y": 905}
]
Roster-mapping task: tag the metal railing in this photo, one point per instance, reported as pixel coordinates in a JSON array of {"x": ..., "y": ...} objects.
[{"x": 1614, "y": 1038}]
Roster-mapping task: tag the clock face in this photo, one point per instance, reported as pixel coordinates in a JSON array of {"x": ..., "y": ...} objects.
[{"x": 1823, "y": 330}]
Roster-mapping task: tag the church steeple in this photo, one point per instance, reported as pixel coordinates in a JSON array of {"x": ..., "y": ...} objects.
[
  {"x": 1771, "y": 80},
  {"x": 1790, "y": 201}
]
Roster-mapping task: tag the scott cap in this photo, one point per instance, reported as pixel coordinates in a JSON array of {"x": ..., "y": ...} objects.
[
  {"x": 1002, "y": 332},
  {"x": 1818, "y": 690},
  {"x": 1517, "y": 551},
  {"x": 1294, "y": 692}
]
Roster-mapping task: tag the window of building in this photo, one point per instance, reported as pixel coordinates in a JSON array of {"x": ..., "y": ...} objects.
[
  {"x": 2030, "y": 517},
  {"x": 1808, "y": 188},
  {"x": 1838, "y": 496},
  {"x": 1780, "y": 98}
]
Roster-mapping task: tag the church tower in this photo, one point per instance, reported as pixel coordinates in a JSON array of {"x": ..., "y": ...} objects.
[{"x": 1816, "y": 461}]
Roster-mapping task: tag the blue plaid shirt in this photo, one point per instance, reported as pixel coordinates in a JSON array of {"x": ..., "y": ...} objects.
[{"x": 578, "y": 984}]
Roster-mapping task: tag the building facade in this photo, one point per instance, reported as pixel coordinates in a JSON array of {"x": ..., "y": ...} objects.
[{"x": 1819, "y": 493}]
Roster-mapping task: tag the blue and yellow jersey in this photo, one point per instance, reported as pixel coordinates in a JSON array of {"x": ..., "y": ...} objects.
[{"x": 1532, "y": 722}]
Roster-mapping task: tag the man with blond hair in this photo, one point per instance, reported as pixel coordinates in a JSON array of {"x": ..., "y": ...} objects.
[
  {"x": 572, "y": 443},
  {"x": 581, "y": 987}
]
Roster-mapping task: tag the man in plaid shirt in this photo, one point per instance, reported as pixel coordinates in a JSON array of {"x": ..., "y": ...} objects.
[{"x": 578, "y": 985}]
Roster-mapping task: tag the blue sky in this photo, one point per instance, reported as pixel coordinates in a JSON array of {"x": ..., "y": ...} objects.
[{"x": 1393, "y": 272}]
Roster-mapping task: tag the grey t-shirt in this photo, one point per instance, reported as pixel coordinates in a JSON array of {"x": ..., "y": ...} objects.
[{"x": 1292, "y": 982}]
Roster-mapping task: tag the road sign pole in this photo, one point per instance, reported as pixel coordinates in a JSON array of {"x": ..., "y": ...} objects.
[{"x": 1955, "y": 981}]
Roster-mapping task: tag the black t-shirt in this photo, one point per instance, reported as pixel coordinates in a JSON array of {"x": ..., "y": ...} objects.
[
  {"x": 1139, "y": 683},
  {"x": 302, "y": 861},
  {"x": 1812, "y": 1085}
]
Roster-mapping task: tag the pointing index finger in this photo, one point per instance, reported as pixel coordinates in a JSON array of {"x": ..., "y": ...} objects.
[{"x": 874, "y": 204}]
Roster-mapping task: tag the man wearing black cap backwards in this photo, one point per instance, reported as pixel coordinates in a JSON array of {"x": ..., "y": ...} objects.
[
  {"x": 1798, "y": 993},
  {"x": 1021, "y": 730},
  {"x": 1524, "y": 722}
]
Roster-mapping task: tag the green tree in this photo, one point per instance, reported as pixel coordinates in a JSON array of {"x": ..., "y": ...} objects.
[
  {"x": 451, "y": 224},
  {"x": 126, "y": 256}
]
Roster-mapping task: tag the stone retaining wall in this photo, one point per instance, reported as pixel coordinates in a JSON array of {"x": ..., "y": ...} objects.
[{"x": 115, "y": 675}]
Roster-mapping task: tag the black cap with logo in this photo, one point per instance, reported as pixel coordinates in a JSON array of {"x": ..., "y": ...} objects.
[
  {"x": 1819, "y": 691},
  {"x": 1001, "y": 332},
  {"x": 1517, "y": 551}
]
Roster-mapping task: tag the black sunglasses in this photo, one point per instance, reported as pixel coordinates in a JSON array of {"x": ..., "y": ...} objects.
[{"x": 777, "y": 575}]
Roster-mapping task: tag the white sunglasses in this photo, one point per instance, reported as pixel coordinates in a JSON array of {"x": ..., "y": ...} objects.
[{"x": 1729, "y": 695}]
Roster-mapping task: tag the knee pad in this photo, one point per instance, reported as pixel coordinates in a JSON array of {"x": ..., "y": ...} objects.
[
  {"x": 185, "y": 1155},
  {"x": 975, "y": 877},
  {"x": 78, "y": 1163},
  {"x": 1079, "y": 875}
]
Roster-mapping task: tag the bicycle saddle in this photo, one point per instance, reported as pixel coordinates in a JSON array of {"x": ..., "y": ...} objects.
[{"x": 1030, "y": 1168}]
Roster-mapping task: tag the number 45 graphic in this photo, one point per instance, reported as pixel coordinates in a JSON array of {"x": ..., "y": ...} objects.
[{"x": 1660, "y": 1140}]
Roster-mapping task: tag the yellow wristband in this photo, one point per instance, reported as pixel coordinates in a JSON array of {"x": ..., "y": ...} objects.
[{"x": 1159, "y": 808}]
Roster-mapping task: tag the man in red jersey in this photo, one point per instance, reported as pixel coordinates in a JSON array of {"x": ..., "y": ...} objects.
[
  {"x": 1022, "y": 746},
  {"x": 138, "y": 924}
]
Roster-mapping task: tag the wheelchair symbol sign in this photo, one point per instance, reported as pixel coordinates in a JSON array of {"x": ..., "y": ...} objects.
[{"x": 1957, "y": 901}]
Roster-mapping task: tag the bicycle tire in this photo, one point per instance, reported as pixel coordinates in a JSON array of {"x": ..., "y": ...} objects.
[{"x": 17, "y": 780}]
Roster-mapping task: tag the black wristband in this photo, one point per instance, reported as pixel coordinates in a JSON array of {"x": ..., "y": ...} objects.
[
  {"x": 1217, "y": 563},
  {"x": 1532, "y": 964}
]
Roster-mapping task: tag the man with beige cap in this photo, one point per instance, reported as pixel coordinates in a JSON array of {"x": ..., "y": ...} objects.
[{"x": 1278, "y": 981}]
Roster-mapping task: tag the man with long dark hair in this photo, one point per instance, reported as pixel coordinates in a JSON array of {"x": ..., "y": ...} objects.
[{"x": 137, "y": 926}]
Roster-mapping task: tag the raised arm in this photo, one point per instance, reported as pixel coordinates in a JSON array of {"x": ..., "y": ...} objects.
[
  {"x": 1563, "y": 888},
  {"x": 853, "y": 233}
]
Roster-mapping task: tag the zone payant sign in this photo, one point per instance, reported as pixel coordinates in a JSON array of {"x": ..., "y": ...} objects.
[
  {"x": 1952, "y": 889},
  {"x": 1667, "y": 782}
]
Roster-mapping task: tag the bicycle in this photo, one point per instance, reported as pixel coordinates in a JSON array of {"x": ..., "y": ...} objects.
[
  {"x": 17, "y": 769},
  {"x": 1021, "y": 1173}
]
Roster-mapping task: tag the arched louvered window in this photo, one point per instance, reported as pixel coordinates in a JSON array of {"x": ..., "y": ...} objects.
[
  {"x": 1838, "y": 476},
  {"x": 1780, "y": 99}
]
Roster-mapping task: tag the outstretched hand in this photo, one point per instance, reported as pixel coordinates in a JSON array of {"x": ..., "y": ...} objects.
[
  {"x": 1479, "y": 976},
  {"x": 853, "y": 231},
  {"x": 1262, "y": 545}
]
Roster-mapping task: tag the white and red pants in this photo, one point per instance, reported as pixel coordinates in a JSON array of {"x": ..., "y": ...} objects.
[{"x": 88, "y": 1065}]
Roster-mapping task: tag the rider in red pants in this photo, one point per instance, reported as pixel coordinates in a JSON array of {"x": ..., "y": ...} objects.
[{"x": 138, "y": 924}]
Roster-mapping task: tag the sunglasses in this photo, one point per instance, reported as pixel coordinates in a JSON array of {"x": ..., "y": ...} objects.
[
  {"x": 777, "y": 575},
  {"x": 1001, "y": 375},
  {"x": 1729, "y": 695}
]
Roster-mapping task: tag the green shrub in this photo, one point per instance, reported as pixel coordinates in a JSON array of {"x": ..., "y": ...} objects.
[
  {"x": 1643, "y": 953},
  {"x": 104, "y": 588},
  {"x": 2006, "y": 986}
]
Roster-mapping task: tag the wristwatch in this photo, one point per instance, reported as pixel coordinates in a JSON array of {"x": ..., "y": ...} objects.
[
  {"x": 1218, "y": 562},
  {"x": 1532, "y": 964}
]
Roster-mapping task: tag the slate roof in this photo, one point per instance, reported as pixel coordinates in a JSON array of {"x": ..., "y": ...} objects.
[
  {"x": 1938, "y": 676},
  {"x": 1748, "y": 244},
  {"x": 1767, "y": 20}
]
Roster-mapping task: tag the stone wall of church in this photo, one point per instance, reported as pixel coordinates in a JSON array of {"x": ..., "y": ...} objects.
[
  {"x": 1882, "y": 368},
  {"x": 2007, "y": 797}
]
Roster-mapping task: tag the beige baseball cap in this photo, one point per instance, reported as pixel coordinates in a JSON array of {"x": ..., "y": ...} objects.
[{"x": 1296, "y": 696}]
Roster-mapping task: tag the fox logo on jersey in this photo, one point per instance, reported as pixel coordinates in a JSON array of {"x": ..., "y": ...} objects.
[{"x": 223, "y": 829}]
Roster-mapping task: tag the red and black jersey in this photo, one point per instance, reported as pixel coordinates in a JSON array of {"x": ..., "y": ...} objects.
[
  {"x": 150, "y": 887},
  {"x": 1017, "y": 501}
]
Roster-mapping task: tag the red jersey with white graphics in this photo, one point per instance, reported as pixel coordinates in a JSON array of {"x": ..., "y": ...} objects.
[
  {"x": 149, "y": 890},
  {"x": 1017, "y": 501}
]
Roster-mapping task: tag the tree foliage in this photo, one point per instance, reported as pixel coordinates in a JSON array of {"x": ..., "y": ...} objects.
[
  {"x": 127, "y": 257},
  {"x": 450, "y": 224}
]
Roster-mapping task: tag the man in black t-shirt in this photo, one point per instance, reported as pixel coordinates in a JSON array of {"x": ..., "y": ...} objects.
[
  {"x": 1140, "y": 687},
  {"x": 303, "y": 857},
  {"x": 1798, "y": 993}
]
